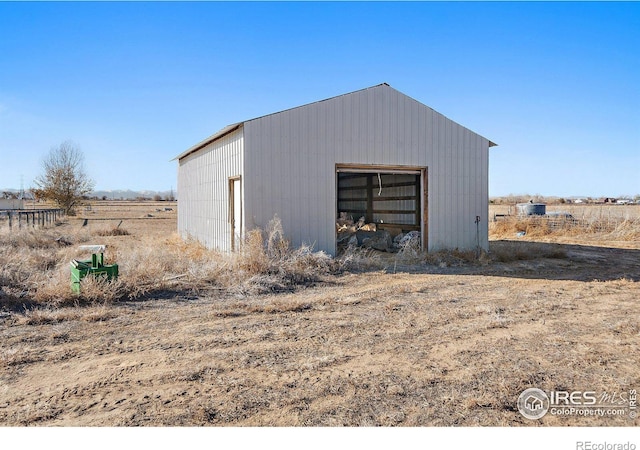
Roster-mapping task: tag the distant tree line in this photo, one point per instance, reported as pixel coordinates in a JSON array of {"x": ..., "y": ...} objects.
[{"x": 155, "y": 198}]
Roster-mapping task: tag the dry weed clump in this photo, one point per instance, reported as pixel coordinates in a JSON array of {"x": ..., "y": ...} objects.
[
  {"x": 412, "y": 255},
  {"x": 355, "y": 258},
  {"x": 499, "y": 251},
  {"x": 453, "y": 258},
  {"x": 268, "y": 263},
  {"x": 411, "y": 250},
  {"x": 531, "y": 226},
  {"x": 27, "y": 259},
  {"x": 34, "y": 267},
  {"x": 626, "y": 230},
  {"x": 619, "y": 229},
  {"x": 115, "y": 231}
]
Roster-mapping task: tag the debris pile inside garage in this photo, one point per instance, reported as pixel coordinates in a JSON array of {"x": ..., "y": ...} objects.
[{"x": 371, "y": 235}]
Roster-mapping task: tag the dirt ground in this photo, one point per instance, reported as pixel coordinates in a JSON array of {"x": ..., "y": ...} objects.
[{"x": 424, "y": 345}]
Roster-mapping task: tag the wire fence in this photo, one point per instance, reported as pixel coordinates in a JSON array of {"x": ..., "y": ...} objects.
[
  {"x": 583, "y": 212},
  {"x": 567, "y": 224}
]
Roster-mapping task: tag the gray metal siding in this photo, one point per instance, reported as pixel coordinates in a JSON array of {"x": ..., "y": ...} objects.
[
  {"x": 203, "y": 190},
  {"x": 291, "y": 157}
]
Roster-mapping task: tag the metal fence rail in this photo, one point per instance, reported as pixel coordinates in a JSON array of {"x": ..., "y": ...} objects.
[{"x": 31, "y": 217}]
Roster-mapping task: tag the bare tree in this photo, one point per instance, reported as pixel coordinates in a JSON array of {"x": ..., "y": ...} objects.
[{"x": 64, "y": 180}]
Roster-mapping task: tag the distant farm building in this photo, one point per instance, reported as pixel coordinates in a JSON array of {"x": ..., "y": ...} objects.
[
  {"x": 374, "y": 153},
  {"x": 11, "y": 203}
]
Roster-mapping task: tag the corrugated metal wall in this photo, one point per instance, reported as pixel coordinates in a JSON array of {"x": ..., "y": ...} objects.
[
  {"x": 291, "y": 157},
  {"x": 203, "y": 190}
]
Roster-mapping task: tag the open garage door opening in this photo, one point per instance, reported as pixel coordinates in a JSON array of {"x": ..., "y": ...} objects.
[{"x": 383, "y": 208}]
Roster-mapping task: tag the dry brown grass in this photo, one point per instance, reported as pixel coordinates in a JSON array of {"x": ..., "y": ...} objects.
[
  {"x": 369, "y": 350},
  {"x": 267, "y": 263},
  {"x": 603, "y": 229},
  {"x": 115, "y": 231},
  {"x": 499, "y": 251},
  {"x": 286, "y": 337},
  {"x": 33, "y": 266}
]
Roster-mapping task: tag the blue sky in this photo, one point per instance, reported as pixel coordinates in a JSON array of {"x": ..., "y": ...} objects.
[{"x": 556, "y": 85}]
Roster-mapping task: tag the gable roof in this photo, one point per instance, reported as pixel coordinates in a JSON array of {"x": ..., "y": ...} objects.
[
  {"x": 230, "y": 128},
  {"x": 226, "y": 130}
]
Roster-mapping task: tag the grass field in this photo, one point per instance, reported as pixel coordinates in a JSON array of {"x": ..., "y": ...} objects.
[
  {"x": 597, "y": 225},
  {"x": 283, "y": 337}
]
